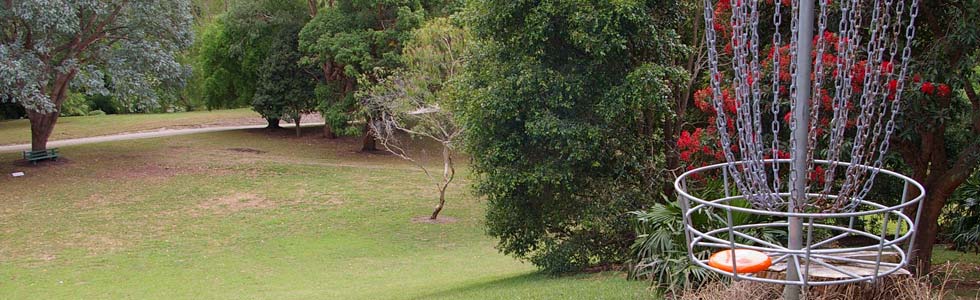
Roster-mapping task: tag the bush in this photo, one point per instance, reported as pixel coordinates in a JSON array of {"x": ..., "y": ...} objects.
[
  {"x": 660, "y": 251},
  {"x": 103, "y": 103},
  {"x": 96, "y": 113},
  {"x": 563, "y": 129},
  {"x": 75, "y": 105},
  {"x": 962, "y": 217}
]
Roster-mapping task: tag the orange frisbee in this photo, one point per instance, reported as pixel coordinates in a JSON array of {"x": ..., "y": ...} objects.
[{"x": 747, "y": 261}]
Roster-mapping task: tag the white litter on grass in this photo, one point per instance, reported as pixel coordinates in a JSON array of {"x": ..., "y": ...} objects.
[{"x": 17, "y": 174}]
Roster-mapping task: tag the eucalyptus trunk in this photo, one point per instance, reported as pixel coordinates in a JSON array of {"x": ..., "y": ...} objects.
[
  {"x": 42, "y": 123},
  {"x": 448, "y": 172}
]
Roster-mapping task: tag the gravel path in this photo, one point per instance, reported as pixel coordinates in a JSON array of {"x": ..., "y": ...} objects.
[{"x": 138, "y": 135}]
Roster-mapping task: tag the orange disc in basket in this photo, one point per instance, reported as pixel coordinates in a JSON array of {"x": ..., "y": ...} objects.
[{"x": 747, "y": 261}]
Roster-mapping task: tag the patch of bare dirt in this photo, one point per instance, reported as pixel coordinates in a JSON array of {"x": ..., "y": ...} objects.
[
  {"x": 235, "y": 203},
  {"x": 247, "y": 150},
  {"x": 439, "y": 220},
  {"x": 61, "y": 161}
]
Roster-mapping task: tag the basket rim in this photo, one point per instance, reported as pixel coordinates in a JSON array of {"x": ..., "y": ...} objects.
[{"x": 680, "y": 187}]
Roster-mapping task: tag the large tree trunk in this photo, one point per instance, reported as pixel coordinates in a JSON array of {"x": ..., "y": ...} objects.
[
  {"x": 42, "y": 123},
  {"x": 273, "y": 123}
]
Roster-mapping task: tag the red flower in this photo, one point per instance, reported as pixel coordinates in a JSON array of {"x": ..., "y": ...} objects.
[
  {"x": 944, "y": 90},
  {"x": 788, "y": 117},
  {"x": 916, "y": 78},
  {"x": 686, "y": 155},
  {"x": 857, "y": 73},
  {"x": 886, "y": 67},
  {"x": 817, "y": 174},
  {"x": 702, "y": 100},
  {"x": 928, "y": 88},
  {"x": 892, "y": 85}
]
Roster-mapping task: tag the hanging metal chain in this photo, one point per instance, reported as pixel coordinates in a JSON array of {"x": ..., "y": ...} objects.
[
  {"x": 875, "y": 83},
  {"x": 777, "y": 41}
]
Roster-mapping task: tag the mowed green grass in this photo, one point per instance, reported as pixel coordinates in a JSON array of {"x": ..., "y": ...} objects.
[
  {"x": 19, "y": 131},
  {"x": 254, "y": 215}
]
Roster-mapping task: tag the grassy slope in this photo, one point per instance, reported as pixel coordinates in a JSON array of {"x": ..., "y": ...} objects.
[
  {"x": 19, "y": 131},
  {"x": 187, "y": 218}
]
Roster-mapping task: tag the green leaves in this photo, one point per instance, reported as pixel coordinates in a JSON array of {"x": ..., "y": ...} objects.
[{"x": 562, "y": 111}]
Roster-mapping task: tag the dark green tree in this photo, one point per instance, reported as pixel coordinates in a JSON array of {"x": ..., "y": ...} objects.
[
  {"x": 285, "y": 89},
  {"x": 566, "y": 104},
  {"x": 348, "y": 39},
  {"x": 235, "y": 47},
  {"x": 937, "y": 138}
]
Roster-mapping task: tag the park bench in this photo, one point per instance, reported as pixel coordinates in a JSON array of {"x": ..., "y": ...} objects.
[{"x": 35, "y": 156}]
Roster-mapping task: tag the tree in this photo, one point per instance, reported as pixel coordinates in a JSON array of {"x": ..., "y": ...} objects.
[
  {"x": 348, "y": 39},
  {"x": 420, "y": 100},
  {"x": 564, "y": 107},
  {"x": 236, "y": 47},
  {"x": 285, "y": 89},
  {"x": 46, "y": 46},
  {"x": 938, "y": 136}
]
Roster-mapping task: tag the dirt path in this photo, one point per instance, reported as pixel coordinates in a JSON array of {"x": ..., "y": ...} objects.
[{"x": 137, "y": 135}]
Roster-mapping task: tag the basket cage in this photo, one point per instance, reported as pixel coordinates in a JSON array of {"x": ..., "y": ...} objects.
[{"x": 861, "y": 244}]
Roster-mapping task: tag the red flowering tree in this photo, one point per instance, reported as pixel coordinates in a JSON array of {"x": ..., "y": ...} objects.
[{"x": 941, "y": 121}]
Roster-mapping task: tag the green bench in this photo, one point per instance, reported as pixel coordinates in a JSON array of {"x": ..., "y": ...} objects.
[{"x": 35, "y": 156}]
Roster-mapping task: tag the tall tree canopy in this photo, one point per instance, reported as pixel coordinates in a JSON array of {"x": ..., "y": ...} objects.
[
  {"x": 285, "y": 89},
  {"x": 48, "y": 46},
  {"x": 349, "y": 39},
  {"x": 237, "y": 45},
  {"x": 564, "y": 121}
]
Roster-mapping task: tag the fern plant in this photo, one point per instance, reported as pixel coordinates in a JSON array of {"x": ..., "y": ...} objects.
[
  {"x": 963, "y": 231},
  {"x": 660, "y": 249}
]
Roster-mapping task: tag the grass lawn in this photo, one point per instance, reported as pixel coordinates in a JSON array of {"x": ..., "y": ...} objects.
[
  {"x": 252, "y": 215},
  {"x": 19, "y": 131}
]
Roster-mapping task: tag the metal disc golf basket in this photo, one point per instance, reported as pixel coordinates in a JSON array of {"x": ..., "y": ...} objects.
[{"x": 830, "y": 181}]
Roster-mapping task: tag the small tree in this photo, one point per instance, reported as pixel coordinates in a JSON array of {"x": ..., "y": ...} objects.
[
  {"x": 419, "y": 100},
  {"x": 285, "y": 89}
]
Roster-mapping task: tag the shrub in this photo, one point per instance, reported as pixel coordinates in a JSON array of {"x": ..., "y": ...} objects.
[
  {"x": 75, "y": 105},
  {"x": 962, "y": 217},
  {"x": 564, "y": 123},
  {"x": 96, "y": 113}
]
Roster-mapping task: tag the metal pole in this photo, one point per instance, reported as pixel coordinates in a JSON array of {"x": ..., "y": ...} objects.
[{"x": 801, "y": 143}]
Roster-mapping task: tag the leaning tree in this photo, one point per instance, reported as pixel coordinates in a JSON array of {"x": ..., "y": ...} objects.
[
  {"x": 419, "y": 100},
  {"x": 50, "y": 47}
]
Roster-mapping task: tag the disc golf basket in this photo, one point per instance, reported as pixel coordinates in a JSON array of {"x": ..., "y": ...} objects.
[{"x": 820, "y": 195}]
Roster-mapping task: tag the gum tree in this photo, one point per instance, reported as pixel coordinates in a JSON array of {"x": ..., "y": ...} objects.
[
  {"x": 420, "y": 100},
  {"x": 50, "y": 47}
]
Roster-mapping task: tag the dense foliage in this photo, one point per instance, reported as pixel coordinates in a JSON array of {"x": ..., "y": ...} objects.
[
  {"x": 350, "y": 39},
  {"x": 961, "y": 224},
  {"x": 937, "y": 138},
  {"x": 285, "y": 89},
  {"x": 47, "y": 46},
  {"x": 237, "y": 49},
  {"x": 562, "y": 117}
]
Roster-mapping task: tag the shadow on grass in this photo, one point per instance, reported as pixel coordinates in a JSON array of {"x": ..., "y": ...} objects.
[{"x": 514, "y": 282}]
